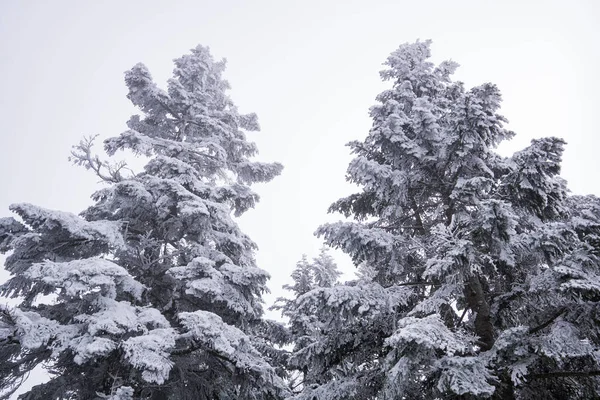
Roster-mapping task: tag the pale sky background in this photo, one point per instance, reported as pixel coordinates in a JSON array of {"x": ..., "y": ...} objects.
[{"x": 309, "y": 69}]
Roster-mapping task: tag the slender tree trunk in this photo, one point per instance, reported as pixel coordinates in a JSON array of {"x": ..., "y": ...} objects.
[{"x": 483, "y": 322}]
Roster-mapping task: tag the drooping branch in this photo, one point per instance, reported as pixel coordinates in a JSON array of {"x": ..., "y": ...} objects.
[{"x": 538, "y": 328}]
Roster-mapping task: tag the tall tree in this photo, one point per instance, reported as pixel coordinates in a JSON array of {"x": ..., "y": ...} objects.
[
  {"x": 156, "y": 293},
  {"x": 479, "y": 273}
]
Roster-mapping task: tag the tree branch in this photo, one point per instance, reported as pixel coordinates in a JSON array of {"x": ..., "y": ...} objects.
[
  {"x": 82, "y": 155},
  {"x": 538, "y": 328},
  {"x": 417, "y": 284},
  {"x": 462, "y": 316},
  {"x": 563, "y": 374},
  {"x": 196, "y": 346},
  {"x": 392, "y": 227}
]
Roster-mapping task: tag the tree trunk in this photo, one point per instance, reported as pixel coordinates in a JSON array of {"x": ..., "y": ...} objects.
[{"x": 483, "y": 322}]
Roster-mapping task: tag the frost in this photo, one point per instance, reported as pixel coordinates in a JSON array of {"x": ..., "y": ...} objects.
[
  {"x": 510, "y": 338},
  {"x": 122, "y": 393},
  {"x": 209, "y": 329},
  {"x": 243, "y": 276},
  {"x": 88, "y": 347},
  {"x": 563, "y": 341},
  {"x": 153, "y": 243},
  {"x": 332, "y": 390},
  {"x": 351, "y": 302},
  {"x": 80, "y": 276},
  {"x": 43, "y": 219},
  {"x": 499, "y": 262},
  {"x": 149, "y": 353},
  {"x": 519, "y": 372},
  {"x": 465, "y": 375},
  {"x": 224, "y": 285},
  {"x": 118, "y": 317},
  {"x": 429, "y": 332},
  {"x": 34, "y": 330}
]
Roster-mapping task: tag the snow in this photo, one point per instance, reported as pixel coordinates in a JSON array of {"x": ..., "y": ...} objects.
[
  {"x": 431, "y": 333},
  {"x": 89, "y": 347},
  {"x": 120, "y": 317},
  {"x": 81, "y": 276},
  {"x": 441, "y": 224},
  {"x": 153, "y": 244},
  {"x": 465, "y": 375},
  {"x": 41, "y": 218},
  {"x": 32, "y": 329},
  {"x": 210, "y": 330},
  {"x": 150, "y": 353}
]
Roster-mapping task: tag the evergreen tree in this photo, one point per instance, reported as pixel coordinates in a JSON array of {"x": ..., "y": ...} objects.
[
  {"x": 303, "y": 277},
  {"x": 479, "y": 274},
  {"x": 325, "y": 269},
  {"x": 155, "y": 290},
  {"x": 304, "y": 324}
]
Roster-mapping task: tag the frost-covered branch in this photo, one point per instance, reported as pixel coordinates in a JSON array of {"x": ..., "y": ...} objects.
[{"x": 82, "y": 155}]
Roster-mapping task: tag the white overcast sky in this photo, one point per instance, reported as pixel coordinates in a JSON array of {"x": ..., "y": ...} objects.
[{"x": 309, "y": 69}]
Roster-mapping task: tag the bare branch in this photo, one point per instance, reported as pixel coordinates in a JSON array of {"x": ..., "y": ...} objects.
[
  {"x": 563, "y": 374},
  {"x": 82, "y": 155},
  {"x": 417, "y": 284},
  {"x": 462, "y": 316},
  {"x": 538, "y": 328}
]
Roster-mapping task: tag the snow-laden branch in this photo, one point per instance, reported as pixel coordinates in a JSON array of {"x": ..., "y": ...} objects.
[{"x": 82, "y": 155}]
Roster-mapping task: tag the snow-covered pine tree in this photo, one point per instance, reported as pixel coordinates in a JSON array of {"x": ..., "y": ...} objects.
[
  {"x": 304, "y": 324},
  {"x": 154, "y": 289},
  {"x": 480, "y": 274},
  {"x": 325, "y": 270},
  {"x": 303, "y": 277}
]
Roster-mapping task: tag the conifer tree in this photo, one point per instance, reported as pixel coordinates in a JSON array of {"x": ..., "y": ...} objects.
[
  {"x": 154, "y": 289},
  {"x": 325, "y": 269},
  {"x": 304, "y": 324},
  {"x": 480, "y": 275},
  {"x": 303, "y": 277}
]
